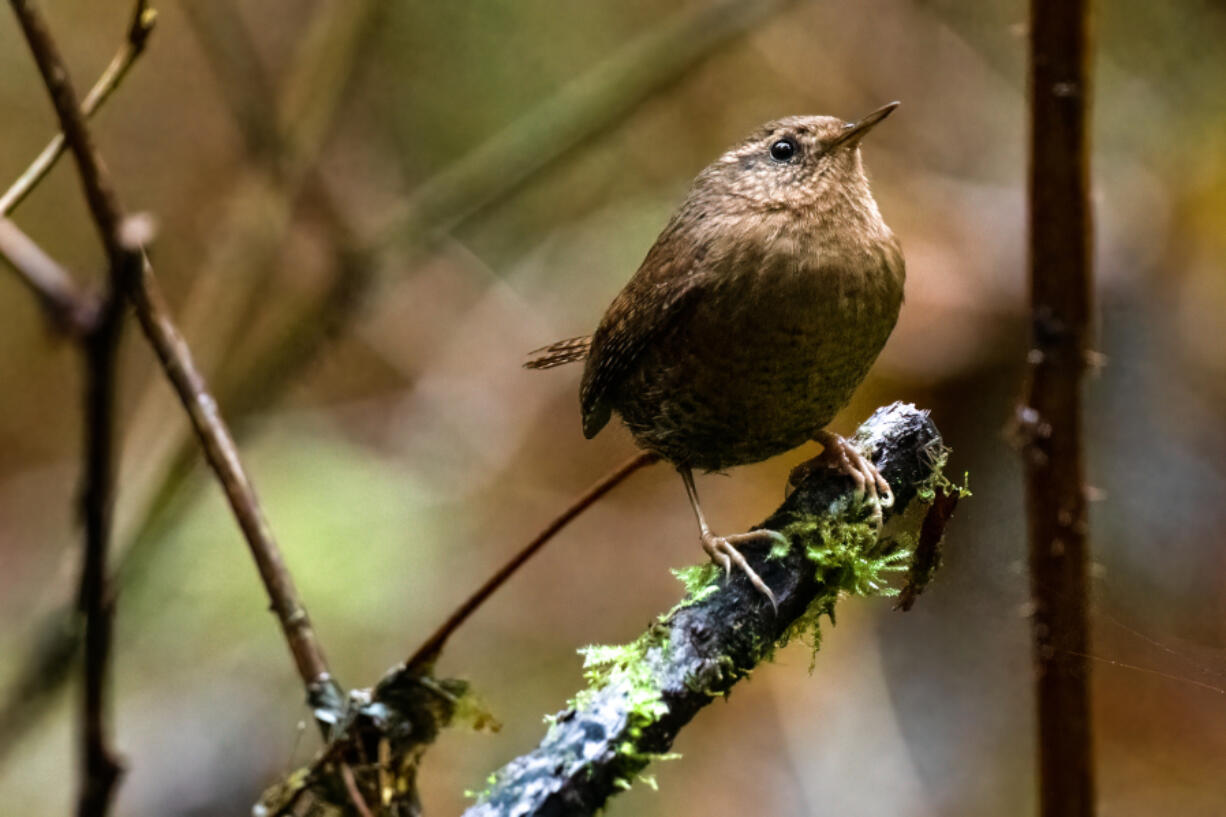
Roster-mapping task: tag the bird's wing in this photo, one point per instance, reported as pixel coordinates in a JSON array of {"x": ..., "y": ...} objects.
[{"x": 658, "y": 295}]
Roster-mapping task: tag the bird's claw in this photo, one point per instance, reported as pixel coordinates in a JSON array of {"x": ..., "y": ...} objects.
[
  {"x": 723, "y": 551},
  {"x": 871, "y": 486}
]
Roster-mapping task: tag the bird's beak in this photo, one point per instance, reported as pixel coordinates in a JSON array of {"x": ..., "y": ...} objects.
[{"x": 853, "y": 132}]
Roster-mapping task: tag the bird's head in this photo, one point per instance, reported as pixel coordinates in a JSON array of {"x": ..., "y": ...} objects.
[{"x": 797, "y": 162}]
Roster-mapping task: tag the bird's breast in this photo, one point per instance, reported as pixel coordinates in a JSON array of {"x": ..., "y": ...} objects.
[{"x": 767, "y": 356}]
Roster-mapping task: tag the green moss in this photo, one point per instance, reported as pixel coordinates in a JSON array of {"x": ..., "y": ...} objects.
[
  {"x": 700, "y": 581},
  {"x": 926, "y": 491},
  {"x": 630, "y": 668},
  {"x": 847, "y": 560}
]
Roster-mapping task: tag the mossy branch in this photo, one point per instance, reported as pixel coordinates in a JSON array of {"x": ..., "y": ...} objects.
[{"x": 642, "y": 694}]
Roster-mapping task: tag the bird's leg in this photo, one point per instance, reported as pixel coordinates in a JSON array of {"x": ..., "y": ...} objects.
[
  {"x": 722, "y": 549},
  {"x": 841, "y": 455}
]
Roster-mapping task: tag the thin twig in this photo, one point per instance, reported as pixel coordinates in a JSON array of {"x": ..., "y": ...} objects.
[
  {"x": 428, "y": 652},
  {"x": 44, "y": 668},
  {"x": 143, "y": 21},
  {"x": 100, "y": 767},
  {"x": 133, "y": 276},
  {"x": 1051, "y": 418},
  {"x": 72, "y": 309},
  {"x": 641, "y": 695},
  {"x": 639, "y": 70},
  {"x": 690, "y": 656},
  {"x": 99, "y": 194},
  {"x": 222, "y": 455},
  {"x": 355, "y": 796},
  {"x": 928, "y": 547}
]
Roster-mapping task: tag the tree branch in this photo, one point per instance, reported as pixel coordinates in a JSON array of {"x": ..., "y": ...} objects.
[
  {"x": 69, "y": 307},
  {"x": 96, "y": 601},
  {"x": 141, "y": 26},
  {"x": 95, "y": 182},
  {"x": 642, "y": 694},
  {"x": 133, "y": 276},
  {"x": 221, "y": 452},
  {"x": 636, "y": 72},
  {"x": 1050, "y": 419},
  {"x": 100, "y": 767}
]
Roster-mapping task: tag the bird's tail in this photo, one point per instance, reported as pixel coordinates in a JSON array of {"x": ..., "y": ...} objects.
[{"x": 560, "y": 353}]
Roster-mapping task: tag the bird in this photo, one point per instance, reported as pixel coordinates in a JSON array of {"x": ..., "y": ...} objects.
[{"x": 753, "y": 318}]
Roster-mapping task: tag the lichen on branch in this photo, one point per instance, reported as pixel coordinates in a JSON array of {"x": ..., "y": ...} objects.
[{"x": 640, "y": 695}]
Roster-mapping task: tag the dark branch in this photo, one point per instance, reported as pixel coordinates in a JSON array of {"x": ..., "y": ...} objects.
[
  {"x": 100, "y": 768},
  {"x": 640, "y": 70},
  {"x": 131, "y": 275},
  {"x": 642, "y": 695},
  {"x": 701, "y": 649},
  {"x": 97, "y": 601},
  {"x": 1050, "y": 419}
]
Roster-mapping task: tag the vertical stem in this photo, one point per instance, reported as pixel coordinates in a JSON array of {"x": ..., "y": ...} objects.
[
  {"x": 1061, "y": 287},
  {"x": 131, "y": 276},
  {"x": 100, "y": 768}
]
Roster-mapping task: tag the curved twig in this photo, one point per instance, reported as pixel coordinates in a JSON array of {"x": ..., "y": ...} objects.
[
  {"x": 634, "y": 710},
  {"x": 641, "y": 695},
  {"x": 143, "y": 21},
  {"x": 422, "y": 660}
]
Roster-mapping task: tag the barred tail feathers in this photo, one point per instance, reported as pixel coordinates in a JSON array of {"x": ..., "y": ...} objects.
[{"x": 560, "y": 353}]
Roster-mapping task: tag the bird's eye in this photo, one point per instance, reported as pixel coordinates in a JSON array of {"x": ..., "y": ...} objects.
[{"x": 783, "y": 150}]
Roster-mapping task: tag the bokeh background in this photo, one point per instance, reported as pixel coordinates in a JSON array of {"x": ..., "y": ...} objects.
[{"x": 369, "y": 211}]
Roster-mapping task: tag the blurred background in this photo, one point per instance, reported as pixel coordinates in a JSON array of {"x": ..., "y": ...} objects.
[{"x": 368, "y": 213}]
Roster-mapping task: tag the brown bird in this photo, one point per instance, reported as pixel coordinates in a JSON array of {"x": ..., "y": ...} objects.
[{"x": 754, "y": 317}]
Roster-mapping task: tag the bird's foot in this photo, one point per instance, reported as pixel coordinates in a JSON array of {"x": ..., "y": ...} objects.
[
  {"x": 723, "y": 551},
  {"x": 844, "y": 457}
]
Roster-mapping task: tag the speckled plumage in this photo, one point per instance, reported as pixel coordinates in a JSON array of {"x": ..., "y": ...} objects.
[
  {"x": 753, "y": 317},
  {"x": 759, "y": 309}
]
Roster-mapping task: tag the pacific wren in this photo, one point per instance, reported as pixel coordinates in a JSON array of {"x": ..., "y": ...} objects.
[{"x": 754, "y": 317}]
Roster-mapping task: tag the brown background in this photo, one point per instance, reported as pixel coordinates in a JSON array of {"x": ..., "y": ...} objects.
[{"x": 406, "y": 460}]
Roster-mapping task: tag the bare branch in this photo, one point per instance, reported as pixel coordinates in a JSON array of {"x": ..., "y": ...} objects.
[
  {"x": 652, "y": 688},
  {"x": 72, "y": 310},
  {"x": 641, "y": 695},
  {"x": 132, "y": 275},
  {"x": 1050, "y": 419},
  {"x": 143, "y": 20},
  {"x": 422, "y": 661},
  {"x": 222, "y": 455},
  {"x": 638, "y": 70},
  {"x": 100, "y": 767},
  {"x": 99, "y": 194},
  {"x": 97, "y": 601}
]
